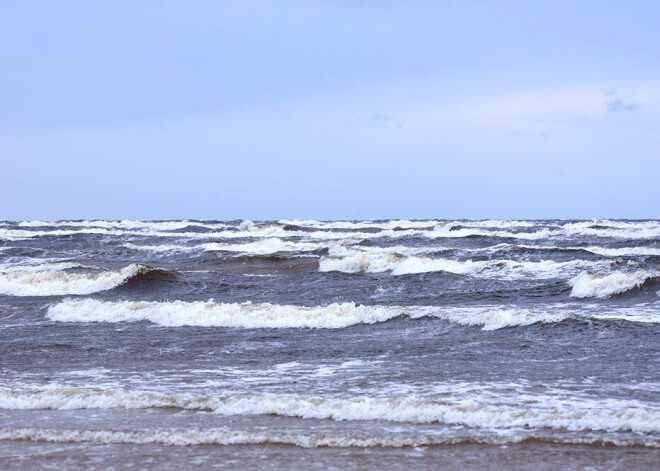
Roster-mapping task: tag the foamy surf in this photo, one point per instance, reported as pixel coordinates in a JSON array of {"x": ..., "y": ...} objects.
[
  {"x": 399, "y": 264},
  {"x": 598, "y": 285},
  {"x": 266, "y": 315},
  {"x": 128, "y": 224},
  {"x": 44, "y": 281},
  {"x": 266, "y": 246},
  {"x": 190, "y": 437},
  {"x": 575, "y": 414}
]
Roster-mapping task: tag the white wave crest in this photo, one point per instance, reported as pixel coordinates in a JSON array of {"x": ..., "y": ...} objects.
[
  {"x": 161, "y": 248},
  {"x": 576, "y": 414},
  {"x": 356, "y": 225},
  {"x": 188, "y": 437},
  {"x": 45, "y": 281},
  {"x": 623, "y": 251},
  {"x": 399, "y": 264},
  {"x": 246, "y": 315},
  {"x": 597, "y": 285},
  {"x": 265, "y": 246},
  {"x": 266, "y": 315},
  {"x": 617, "y": 229},
  {"x": 446, "y": 231},
  {"x": 127, "y": 224}
]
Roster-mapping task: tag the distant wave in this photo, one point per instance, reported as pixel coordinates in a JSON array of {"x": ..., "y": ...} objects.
[
  {"x": 266, "y": 246},
  {"x": 576, "y": 414},
  {"x": 604, "y": 251},
  {"x": 597, "y": 285},
  {"x": 128, "y": 224},
  {"x": 524, "y": 230},
  {"x": 49, "y": 280}
]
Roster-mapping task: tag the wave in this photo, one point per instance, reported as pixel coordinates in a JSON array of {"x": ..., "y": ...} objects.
[
  {"x": 597, "y": 285},
  {"x": 317, "y": 229},
  {"x": 357, "y": 225},
  {"x": 341, "y": 248},
  {"x": 452, "y": 232},
  {"x": 128, "y": 224},
  {"x": 266, "y": 315},
  {"x": 399, "y": 264},
  {"x": 616, "y": 229},
  {"x": 49, "y": 280},
  {"x": 265, "y": 246},
  {"x": 574, "y": 414},
  {"x": 403, "y": 224},
  {"x": 189, "y": 437},
  {"x": 161, "y": 248},
  {"x": 604, "y": 251},
  {"x": 624, "y": 251}
]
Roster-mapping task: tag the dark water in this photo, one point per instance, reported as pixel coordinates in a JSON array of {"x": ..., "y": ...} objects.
[{"x": 501, "y": 344}]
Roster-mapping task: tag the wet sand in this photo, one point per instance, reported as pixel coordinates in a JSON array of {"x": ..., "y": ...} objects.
[{"x": 533, "y": 456}]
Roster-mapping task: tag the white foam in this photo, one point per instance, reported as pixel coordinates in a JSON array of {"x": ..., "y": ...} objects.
[
  {"x": 265, "y": 246},
  {"x": 398, "y": 264},
  {"x": 246, "y": 315},
  {"x": 446, "y": 232},
  {"x": 127, "y": 224},
  {"x": 48, "y": 280},
  {"x": 623, "y": 251},
  {"x": 247, "y": 225},
  {"x": 266, "y": 315},
  {"x": 356, "y": 225},
  {"x": 161, "y": 248},
  {"x": 188, "y": 437},
  {"x": 403, "y": 224},
  {"x": 568, "y": 413},
  {"x": 616, "y": 229},
  {"x": 597, "y": 285},
  {"x": 605, "y": 251}
]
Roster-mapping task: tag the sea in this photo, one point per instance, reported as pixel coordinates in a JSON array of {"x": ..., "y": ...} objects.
[{"x": 304, "y": 344}]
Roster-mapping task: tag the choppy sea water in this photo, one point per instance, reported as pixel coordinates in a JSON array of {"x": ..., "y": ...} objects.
[{"x": 243, "y": 344}]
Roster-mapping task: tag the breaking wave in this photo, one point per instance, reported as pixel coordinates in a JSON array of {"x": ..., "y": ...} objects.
[
  {"x": 574, "y": 414},
  {"x": 129, "y": 224},
  {"x": 597, "y": 285},
  {"x": 265, "y": 246},
  {"x": 624, "y": 251},
  {"x": 266, "y": 315},
  {"x": 51, "y": 280},
  {"x": 399, "y": 264},
  {"x": 188, "y": 437}
]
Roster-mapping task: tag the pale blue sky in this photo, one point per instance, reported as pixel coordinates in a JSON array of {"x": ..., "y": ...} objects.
[{"x": 329, "y": 109}]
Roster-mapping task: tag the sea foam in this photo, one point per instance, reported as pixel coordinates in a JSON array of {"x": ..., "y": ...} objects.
[
  {"x": 266, "y": 315},
  {"x": 367, "y": 261},
  {"x": 575, "y": 414},
  {"x": 188, "y": 437},
  {"x": 43, "y": 280},
  {"x": 597, "y": 285}
]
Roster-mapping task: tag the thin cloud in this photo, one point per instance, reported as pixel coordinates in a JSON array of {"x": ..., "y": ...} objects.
[
  {"x": 620, "y": 105},
  {"x": 381, "y": 119}
]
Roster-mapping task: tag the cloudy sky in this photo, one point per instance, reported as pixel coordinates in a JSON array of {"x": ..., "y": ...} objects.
[{"x": 329, "y": 109}]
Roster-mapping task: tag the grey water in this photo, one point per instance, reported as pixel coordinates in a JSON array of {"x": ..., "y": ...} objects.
[{"x": 243, "y": 344}]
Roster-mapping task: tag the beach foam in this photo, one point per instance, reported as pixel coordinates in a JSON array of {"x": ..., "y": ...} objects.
[
  {"x": 188, "y": 437},
  {"x": 575, "y": 414}
]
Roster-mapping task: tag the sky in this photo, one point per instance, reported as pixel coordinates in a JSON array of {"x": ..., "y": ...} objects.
[{"x": 329, "y": 109}]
